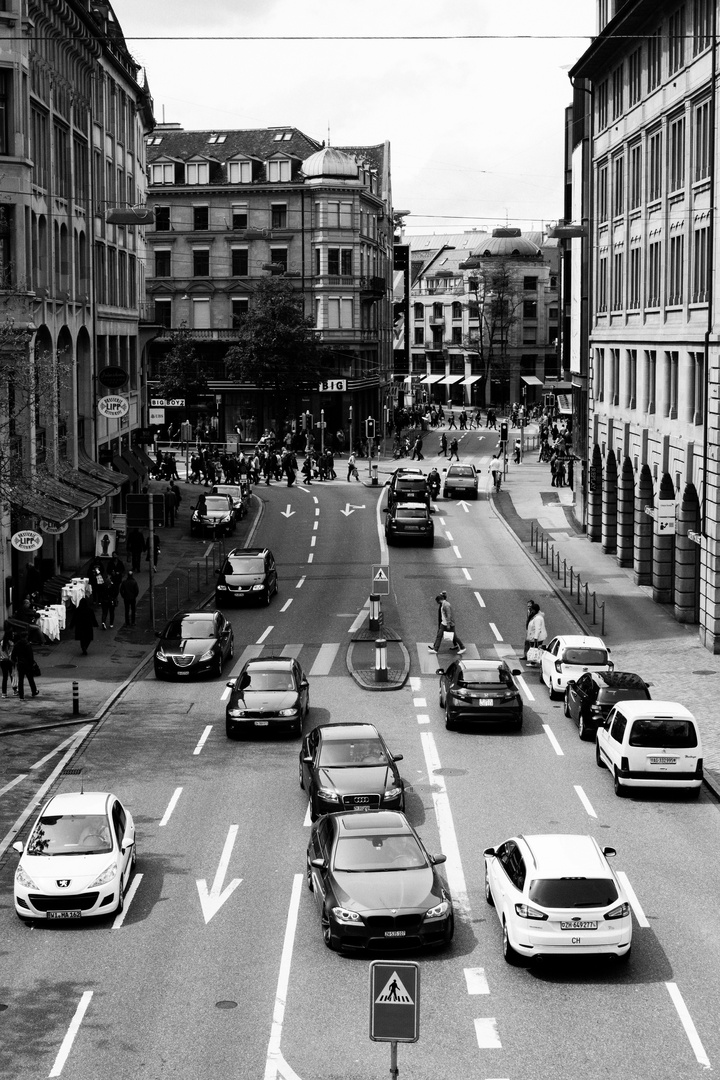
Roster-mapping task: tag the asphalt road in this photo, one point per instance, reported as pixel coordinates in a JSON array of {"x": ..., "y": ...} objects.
[{"x": 218, "y": 968}]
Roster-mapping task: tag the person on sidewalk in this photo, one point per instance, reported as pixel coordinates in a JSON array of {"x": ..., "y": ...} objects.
[
  {"x": 129, "y": 590},
  {"x": 496, "y": 469},
  {"x": 454, "y": 450},
  {"x": 446, "y": 624},
  {"x": 352, "y": 468},
  {"x": 532, "y": 607},
  {"x": 24, "y": 660},
  {"x": 536, "y": 630},
  {"x": 135, "y": 546},
  {"x": 156, "y": 549},
  {"x": 107, "y": 605},
  {"x": 6, "y": 660},
  {"x": 84, "y": 622}
]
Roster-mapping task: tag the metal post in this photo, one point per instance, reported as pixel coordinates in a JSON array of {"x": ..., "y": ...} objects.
[
  {"x": 151, "y": 560},
  {"x": 166, "y": 604},
  {"x": 393, "y": 1061},
  {"x": 381, "y": 674},
  {"x": 602, "y": 624},
  {"x": 322, "y": 431},
  {"x": 594, "y": 599},
  {"x": 564, "y": 573},
  {"x": 586, "y": 597},
  {"x": 177, "y": 591},
  {"x": 374, "y": 623},
  {"x": 76, "y": 698}
]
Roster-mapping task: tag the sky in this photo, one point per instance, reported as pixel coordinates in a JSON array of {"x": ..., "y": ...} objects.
[{"x": 474, "y": 121}]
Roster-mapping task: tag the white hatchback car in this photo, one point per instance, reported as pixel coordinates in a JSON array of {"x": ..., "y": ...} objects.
[
  {"x": 78, "y": 859},
  {"x": 651, "y": 744},
  {"x": 568, "y": 656},
  {"x": 557, "y": 895}
]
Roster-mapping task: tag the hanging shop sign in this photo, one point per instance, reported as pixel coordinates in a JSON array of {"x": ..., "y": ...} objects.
[
  {"x": 170, "y": 403},
  {"x": 113, "y": 377},
  {"x": 113, "y": 406},
  {"x": 26, "y": 540},
  {"x": 52, "y": 529}
]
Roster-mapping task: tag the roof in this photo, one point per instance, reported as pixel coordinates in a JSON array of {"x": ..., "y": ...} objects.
[
  {"x": 556, "y": 854},
  {"x": 503, "y": 246},
  {"x": 581, "y": 641},
  {"x": 201, "y": 616},
  {"x": 270, "y": 663},
  {"x": 618, "y": 35},
  {"x": 331, "y": 162},
  {"x": 369, "y": 821},
  {"x": 481, "y": 665},
  {"x": 340, "y": 732},
  {"x": 647, "y": 710},
  {"x": 261, "y": 143},
  {"x": 70, "y": 802}
]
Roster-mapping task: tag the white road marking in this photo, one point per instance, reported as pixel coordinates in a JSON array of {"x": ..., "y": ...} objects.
[
  {"x": 120, "y": 919},
  {"x": 525, "y": 688},
  {"x": 442, "y": 521},
  {"x": 360, "y": 619},
  {"x": 72, "y": 1031},
  {"x": 13, "y": 783},
  {"x": 584, "y": 800},
  {"x": 310, "y": 557},
  {"x": 423, "y": 718},
  {"x": 496, "y": 632},
  {"x": 415, "y": 684},
  {"x": 553, "y": 741},
  {"x": 315, "y": 525},
  {"x": 307, "y": 821},
  {"x": 286, "y": 605},
  {"x": 456, "y": 549},
  {"x": 443, "y": 814},
  {"x": 203, "y": 738},
  {"x": 324, "y": 659},
  {"x": 466, "y": 572},
  {"x": 476, "y": 981},
  {"x": 170, "y": 806},
  {"x": 208, "y": 552},
  {"x": 212, "y": 899},
  {"x": 634, "y": 902},
  {"x": 39, "y": 764},
  {"x": 264, "y": 634},
  {"x": 315, "y": 498},
  {"x": 275, "y": 1065},
  {"x": 687, "y": 1023},
  {"x": 487, "y": 1033},
  {"x": 317, "y": 510},
  {"x": 313, "y": 540},
  {"x": 420, "y": 702},
  {"x": 300, "y": 582},
  {"x": 479, "y": 599},
  {"x": 291, "y": 650},
  {"x": 449, "y": 536}
]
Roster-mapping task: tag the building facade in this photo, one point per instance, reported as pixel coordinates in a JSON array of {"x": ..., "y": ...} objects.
[
  {"x": 645, "y": 179},
  {"x": 231, "y": 207}
]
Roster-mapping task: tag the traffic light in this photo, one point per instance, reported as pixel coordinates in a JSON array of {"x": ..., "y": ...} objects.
[
  {"x": 370, "y": 428},
  {"x": 307, "y": 421},
  {"x": 503, "y": 432}
]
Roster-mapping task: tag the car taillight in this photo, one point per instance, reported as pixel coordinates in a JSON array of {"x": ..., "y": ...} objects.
[
  {"x": 527, "y": 912},
  {"x": 464, "y": 694},
  {"x": 624, "y": 765},
  {"x": 620, "y": 912},
  {"x": 699, "y": 768},
  {"x": 558, "y": 666}
]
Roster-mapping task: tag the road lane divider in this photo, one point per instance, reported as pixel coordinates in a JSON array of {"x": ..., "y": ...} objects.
[
  {"x": 479, "y": 599},
  {"x": 203, "y": 739},
  {"x": 525, "y": 688},
  {"x": 584, "y": 800},
  {"x": 71, "y": 1033},
  {"x": 44, "y": 760},
  {"x": 212, "y": 899},
  {"x": 170, "y": 807},
  {"x": 301, "y": 582},
  {"x": 13, "y": 783},
  {"x": 446, "y": 826},
  {"x": 486, "y": 1032},
  {"x": 266, "y": 631},
  {"x": 496, "y": 632},
  {"x": 553, "y": 741},
  {"x": 423, "y": 718},
  {"x": 467, "y": 574},
  {"x": 476, "y": 981},
  {"x": 129, "y": 896},
  {"x": 310, "y": 557},
  {"x": 687, "y": 1022},
  {"x": 449, "y": 536},
  {"x": 456, "y": 549},
  {"x": 275, "y": 1064},
  {"x": 360, "y": 618},
  {"x": 286, "y": 605},
  {"x": 324, "y": 659},
  {"x": 634, "y": 902}
]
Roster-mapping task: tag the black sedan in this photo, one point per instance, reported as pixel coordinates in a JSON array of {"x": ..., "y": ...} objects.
[
  {"x": 480, "y": 691},
  {"x": 349, "y": 767},
  {"x": 375, "y": 885},
  {"x": 270, "y": 692},
  {"x": 214, "y": 515},
  {"x": 194, "y": 643},
  {"x": 589, "y": 699}
]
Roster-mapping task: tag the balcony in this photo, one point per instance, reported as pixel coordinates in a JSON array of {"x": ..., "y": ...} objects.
[
  {"x": 375, "y": 286},
  {"x": 200, "y": 335},
  {"x": 436, "y": 320}
]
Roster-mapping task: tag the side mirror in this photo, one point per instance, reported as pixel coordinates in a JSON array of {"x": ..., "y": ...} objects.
[
  {"x": 397, "y": 757},
  {"x": 319, "y": 864},
  {"x": 489, "y": 852},
  {"x": 307, "y": 760},
  {"x": 304, "y": 684},
  {"x": 231, "y": 684},
  {"x": 439, "y": 671},
  {"x": 571, "y": 682},
  {"x": 127, "y": 843},
  {"x": 608, "y": 852},
  {"x": 157, "y": 633},
  {"x": 18, "y": 846},
  {"x": 516, "y": 671},
  {"x": 217, "y": 573},
  {"x": 243, "y": 681},
  {"x": 437, "y": 859},
  {"x": 386, "y": 510}
]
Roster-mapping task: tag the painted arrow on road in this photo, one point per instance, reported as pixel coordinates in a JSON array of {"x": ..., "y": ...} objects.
[
  {"x": 211, "y": 901},
  {"x": 287, "y": 513},
  {"x": 465, "y": 506},
  {"x": 349, "y": 508}
]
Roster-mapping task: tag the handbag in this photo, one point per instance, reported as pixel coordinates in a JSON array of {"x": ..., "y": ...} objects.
[
  {"x": 448, "y": 635},
  {"x": 36, "y": 670},
  {"x": 534, "y": 655}
]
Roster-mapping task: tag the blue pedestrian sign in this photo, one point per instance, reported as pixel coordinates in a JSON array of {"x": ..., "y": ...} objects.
[{"x": 394, "y": 1001}]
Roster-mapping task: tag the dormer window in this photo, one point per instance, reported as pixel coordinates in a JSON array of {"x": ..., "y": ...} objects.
[
  {"x": 162, "y": 174},
  {"x": 217, "y": 138},
  {"x": 197, "y": 172},
  {"x": 278, "y": 171},
  {"x": 283, "y": 136},
  {"x": 239, "y": 172}
]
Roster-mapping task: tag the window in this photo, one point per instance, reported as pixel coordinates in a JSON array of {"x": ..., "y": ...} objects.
[
  {"x": 162, "y": 174},
  {"x": 239, "y": 172},
  {"x": 636, "y": 176},
  {"x": 654, "y": 274},
  {"x": 618, "y": 281},
  {"x": 239, "y": 306},
  {"x": 339, "y": 215},
  {"x": 240, "y": 216},
  {"x": 278, "y": 216},
  {"x": 200, "y": 217},
  {"x": 457, "y": 335},
  {"x": 279, "y": 257},
  {"x": 650, "y": 389},
  {"x": 201, "y": 263},
  {"x": 676, "y": 136},
  {"x": 162, "y": 218},
  {"x": 201, "y": 314},
  {"x": 602, "y": 283},
  {"x": 676, "y": 57},
  {"x": 614, "y": 376},
  {"x": 197, "y": 172},
  {"x": 618, "y": 87},
  {"x": 602, "y": 105},
  {"x": 5, "y": 86},
  {"x": 530, "y": 284},
  {"x": 239, "y": 262},
  {"x": 655, "y": 165},
  {"x": 635, "y": 77},
  {"x": 602, "y": 195},
  {"x": 216, "y": 138},
  {"x": 618, "y": 186},
  {"x": 631, "y": 379},
  {"x": 163, "y": 312},
  {"x": 671, "y": 385},
  {"x": 599, "y": 375},
  {"x": 419, "y": 335},
  {"x": 529, "y": 335},
  {"x": 162, "y": 262},
  {"x": 701, "y": 149},
  {"x": 702, "y": 25},
  {"x": 340, "y": 313},
  {"x": 419, "y": 312},
  {"x": 634, "y": 277},
  {"x": 278, "y": 171},
  {"x": 676, "y": 269},
  {"x": 654, "y": 70},
  {"x": 340, "y": 261},
  {"x": 437, "y": 311},
  {"x": 529, "y": 309},
  {"x": 457, "y": 311},
  {"x": 701, "y": 265},
  {"x": 697, "y": 363}
]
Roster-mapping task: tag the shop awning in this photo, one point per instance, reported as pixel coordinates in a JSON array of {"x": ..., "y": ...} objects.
[
  {"x": 91, "y": 468},
  {"x": 557, "y": 387},
  {"x": 471, "y": 379},
  {"x": 60, "y": 492},
  {"x": 531, "y": 380},
  {"x": 40, "y": 506},
  {"x": 144, "y": 458},
  {"x": 135, "y": 463},
  {"x": 430, "y": 379},
  {"x": 124, "y": 466},
  {"x": 450, "y": 380},
  {"x": 99, "y": 488},
  {"x": 564, "y": 404}
]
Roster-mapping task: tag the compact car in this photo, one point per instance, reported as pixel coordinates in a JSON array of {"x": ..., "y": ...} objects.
[
  {"x": 410, "y": 521},
  {"x": 557, "y": 895},
  {"x": 194, "y": 643},
  {"x": 213, "y": 515},
  {"x": 238, "y": 493},
  {"x": 408, "y": 485},
  {"x": 651, "y": 744},
  {"x": 248, "y": 574},
  {"x": 270, "y": 692},
  {"x": 375, "y": 885},
  {"x": 589, "y": 699},
  {"x": 569, "y": 656},
  {"x": 461, "y": 480},
  {"x": 349, "y": 767},
  {"x": 480, "y": 691},
  {"x": 78, "y": 859}
]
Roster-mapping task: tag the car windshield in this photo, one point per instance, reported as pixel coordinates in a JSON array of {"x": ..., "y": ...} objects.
[
  {"x": 414, "y": 512},
  {"x": 485, "y": 677},
  {"x": 460, "y": 470},
  {"x": 619, "y": 693},
  {"x": 216, "y": 503},
  {"x": 226, "y": 489},
  {"x": 249, "y": 565},
  {"x": 359, "y": 854},
  {"x": 584, "y": 656},
  {"x": 412, "y": 485},
  {"x": 573, "y": 892},
  {"x": 71, "y": 834},
  {"x": 190, "y": 628},
  {"x": 663, "y": 732},
  {"x": 350, "y": 754},
  {"x": 270, "y": 680}
]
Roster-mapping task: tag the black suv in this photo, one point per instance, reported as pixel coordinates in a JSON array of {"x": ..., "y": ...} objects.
[
  {"x": 408, "y": 485},
  {"x": 247, "y": 574},
  {"x": 409, "y": 521},
  {"x": 589, "y": 699}
]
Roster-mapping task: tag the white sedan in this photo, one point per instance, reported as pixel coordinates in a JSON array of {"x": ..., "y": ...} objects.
[
  {"x": 78, "y": 859},
  {"x": 568, "y": 656}
]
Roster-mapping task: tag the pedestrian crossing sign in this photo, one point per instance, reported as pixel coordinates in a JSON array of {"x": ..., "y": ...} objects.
[
  {"x": 381, "y": 579},
  {"x": 394, "y": 1001},
  {"x": 394, "y": 992}
]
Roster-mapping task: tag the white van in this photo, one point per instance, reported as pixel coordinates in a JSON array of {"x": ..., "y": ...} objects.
[{"x": 651, "y": 744}]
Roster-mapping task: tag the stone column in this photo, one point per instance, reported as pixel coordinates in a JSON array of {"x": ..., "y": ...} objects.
[
  {"x": 626, "y": 514},
  {"x": 663, "y": 552},
  {"x": 687, "y": 558},
  {"x": 643, "y": 546},
  {"x": 609, "y": 504},
  {"x": 594, "y": 510}
]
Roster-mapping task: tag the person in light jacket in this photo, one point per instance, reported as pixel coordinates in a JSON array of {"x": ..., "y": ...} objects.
[{"x": 536, "y": 630}]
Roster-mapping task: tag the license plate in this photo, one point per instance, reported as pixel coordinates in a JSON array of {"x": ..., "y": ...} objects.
[
  {"x": 578, "y": 926},
  {"x": 662, "y": 761},
  {"x": 261, "y": 723},
  {"x": 394, "y": 933},
  {"x": 484, "y": 702},
  {"x": 63, "y": 914}
]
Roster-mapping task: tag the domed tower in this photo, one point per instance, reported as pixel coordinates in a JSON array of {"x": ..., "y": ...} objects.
[{"x": 330, "y": 164}]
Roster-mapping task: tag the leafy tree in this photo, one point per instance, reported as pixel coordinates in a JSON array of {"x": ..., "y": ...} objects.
[
  {"x": 498, "y": 300},
  {"x": 180, "y": 372}
]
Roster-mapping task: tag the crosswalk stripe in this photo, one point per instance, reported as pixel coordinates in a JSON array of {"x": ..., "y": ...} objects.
[
  {"x": 291, "y": 650},
  {"x": 324, "y": 659}
]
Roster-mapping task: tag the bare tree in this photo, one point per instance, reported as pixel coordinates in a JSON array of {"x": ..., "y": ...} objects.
[{"x": 499, "y": 298}]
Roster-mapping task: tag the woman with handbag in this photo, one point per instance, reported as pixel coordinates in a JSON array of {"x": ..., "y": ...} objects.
[
  {"x": 24, "y": 659},
  {"x": 446, "y": 626},
  {"x": 6, "y": 661},
  {"x": 536, "y": 633}
]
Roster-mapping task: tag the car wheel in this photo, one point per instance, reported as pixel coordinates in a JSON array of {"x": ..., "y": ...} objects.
[
  {"x": 449, "y": 722},
  {"x": 618, "y": 787},
  {"x": 476, "y": 494},
  {"x": 298, "y": 727},
  {"x": 389, "y": 539},
  {"x": 449, "y": 933},
  {"x": 314, "y": 815},
  {"x": 488, "y": 890},
  {"x": 598, "y": 757},
  {"x": 509, "y": 954},
  {"x": 330, "y": 940},
  {"x": 308, "y": 875},
  {"x": 553, "y": 693},
  {"x": 431, "y": 542},
  {"x": 266, "y": 598},
  {"x": 694, "y": 793},
  {"x": 442, "y": 699},
  {"x": 566, "y": 704},
  {"x": 307, "y": 706},
  {"x": 232, "y": 648},
  {"x": 26, "y": 921},
  {"x": 445, "y": 494},
  {"x": 121, "y": 902},
  {"x": 300, "y": 777},
  {"x": 622, "y": 958},
  {"x": 582, "y": 729},
  {"x": 217, "y": 670},
  {"x": 519, "y": 723}
]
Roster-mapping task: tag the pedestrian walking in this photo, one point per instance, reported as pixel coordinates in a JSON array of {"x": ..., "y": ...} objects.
[
  {"x": 24, "y": 659},
  {"x": 169, "y": 507},
  {"x": 156, "y": 549},
  {"x": 176, "y": 495},
  {"x": 417, "y": 450},
  {"x": 107, "y": 605},
  {"x": 307, "y": 470},
  {"x": 451, "y": 421},
  {"x": 129, "y": 590},
  {"x": 536, "y": 630},
  {"x": 496, "y": 469},
  {"x": 454, "y": 450},
  {"x": 352, "y": 469},
  {"x": 96, "y": 576},
  {"x": 532, "y": 607},
  {"x": 84, "y": 622},
  {"x": 135, "y": 546},
  {"x": 6, "y": 661},
  {"x": 446, "y": 625}
]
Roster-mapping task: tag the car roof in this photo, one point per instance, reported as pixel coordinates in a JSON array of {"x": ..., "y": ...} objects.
[
  {"x": 619, "y": 679},
  {"x": 201, "y": 616},
  {"x": 414, "y": 506},
  {"x": 342, "y": 732},
  {"x": 581, "y": 641},
  {"x": 248, "y": 551},
  {"x": 370, "y": 822},
  {"x": 270, "y": 663},
  {"x": 78, "y": 802},
  {"x": 468, "y": 465},
  {"x": 481, "y": 665},
  {"x": 649, "y": 710},
  {"x": 558, "y": 855}
]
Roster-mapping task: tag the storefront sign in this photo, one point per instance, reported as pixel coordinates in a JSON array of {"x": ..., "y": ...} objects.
[
  {"x": 113, "y": 377},
  {"x": 113, "y": 406},
  {"x": 333, "y": 384},
  {"x": 156, "y": 416},
  {"x": 170, "y": 403},
  {"x": 26, "y": 540},
  {"x": 52, "y": 529}
]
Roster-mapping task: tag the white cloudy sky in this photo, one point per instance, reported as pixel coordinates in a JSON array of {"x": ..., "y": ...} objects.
[{"x": 475, "y": 126}]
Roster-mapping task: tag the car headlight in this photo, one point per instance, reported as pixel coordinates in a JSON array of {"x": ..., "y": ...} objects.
[
  {"x": 106, "y": 876},
  {"x": 225, "y": 519},
  {"x": 23, "y": 880},
  {"x": 328, "y": 794},
  {"x": 438, "y": 911},
  {"x": 289, "y": 712},
  {"x": 207, "y": 655},
  {"x": 256, "y": 587},
  {"x": 393, "y": 793},
  {"x": 347, "y": 916},
  {"x": 221, "y": 587},
  {"x": 160, "y": 653},
  {"x": 236, "y": 712}
]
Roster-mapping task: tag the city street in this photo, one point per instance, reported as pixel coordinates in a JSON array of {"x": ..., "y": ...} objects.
[{"x": 217, "y": 967}]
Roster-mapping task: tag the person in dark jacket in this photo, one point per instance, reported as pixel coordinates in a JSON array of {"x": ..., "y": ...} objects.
[
  {"x": 84, "y": 622},
  {"x": 156, "y": 549},
  {"x": 107, "y": 597},
  {"x": 24, "y": 660},
  {"x": 136, "y": 546},
  {"x": 129, "y": 591}
]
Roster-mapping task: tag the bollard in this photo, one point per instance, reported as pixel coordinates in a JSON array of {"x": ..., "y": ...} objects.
[
  {"x": 177, "y": 591},
  {"x": 76, "y": 698},
  {"x": 381, "y": 674},
  {"x": 602, "y": 624},
  {"x": 564, "y": 573},
  {"x": 166, "y": 604},
  {"x": 594, "y": 599},
  {"x": 374, "y": 611},
  {"x": 586, "y": 597}
]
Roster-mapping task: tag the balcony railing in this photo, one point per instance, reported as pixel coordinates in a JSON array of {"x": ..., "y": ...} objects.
[{"x": 374, "y": 285}]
